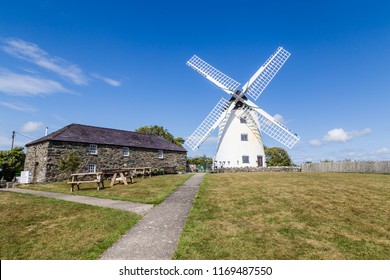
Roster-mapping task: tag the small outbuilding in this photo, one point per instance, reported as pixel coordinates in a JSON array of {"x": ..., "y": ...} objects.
[{"x": 99, "y": 148}]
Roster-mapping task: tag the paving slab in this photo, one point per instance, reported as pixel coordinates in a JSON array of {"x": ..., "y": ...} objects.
[
  {"x": 138, "y": 208},
  {"x": 156, "y": 236}
]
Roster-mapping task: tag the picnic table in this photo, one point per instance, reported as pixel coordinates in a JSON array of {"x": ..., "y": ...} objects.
[
  {"x": 118, "y": 174},
  {"x": 91, "y": 177},
  {"x": 122, "y": 174}
]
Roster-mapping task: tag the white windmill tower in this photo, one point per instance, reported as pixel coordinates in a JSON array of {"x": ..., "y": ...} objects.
[{"x": 241, "y": 121}]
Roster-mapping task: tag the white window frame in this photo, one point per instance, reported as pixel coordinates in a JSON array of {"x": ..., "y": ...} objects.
[
  {"x": 160, "y": 154},
  {"x": 244, "y": 137},
  {"x": 126, "y": 151},
  {"x": 245, "y": 159},
  {"x": 91, "y": 168},
  {"x": 93, "y": 149}
]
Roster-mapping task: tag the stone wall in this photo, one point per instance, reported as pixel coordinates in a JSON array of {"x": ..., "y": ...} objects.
[
  {"x": 261, "y": 169},
  {"x": 49, "y": 154},
  {"x": 36, "y": 157}
]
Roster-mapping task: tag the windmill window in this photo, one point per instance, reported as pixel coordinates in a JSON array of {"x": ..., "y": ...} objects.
[
  {"x": 244, "y": 137},
  {"x": 245, "y": 159},
  {"x": 92, "y": 168},
  {"x": 126, "y": 151},
  {"x": 93, "y": 149},
  {"x": 242, "y": 120}
]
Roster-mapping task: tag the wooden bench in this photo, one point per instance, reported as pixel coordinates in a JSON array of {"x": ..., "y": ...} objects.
[
  {"x": 91, "y": 177},
  {"x": 142, "y": 171},
  {"x": 170, "y": 170}
]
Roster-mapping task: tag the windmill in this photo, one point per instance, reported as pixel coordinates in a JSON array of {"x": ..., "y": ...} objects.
[{"x": 241, "y": 122}]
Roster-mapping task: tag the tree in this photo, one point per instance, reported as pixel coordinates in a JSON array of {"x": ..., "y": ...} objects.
[
  {"x": 70, "y": 163},
  {"x": 11, "y": 162},
  {"x": 161, "y": 131},
  {"x": 276, "y": 156},
  {"x": 203, "y": 160}
]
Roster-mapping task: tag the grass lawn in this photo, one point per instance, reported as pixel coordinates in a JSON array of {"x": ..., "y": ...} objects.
[
  {"x": 151, "y": 190},
  {"x": 289, "y": 216},
  {"x": 41, "y": 228}
]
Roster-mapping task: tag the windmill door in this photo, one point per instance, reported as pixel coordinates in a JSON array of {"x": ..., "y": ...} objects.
[{"x": 259, "y": 161}]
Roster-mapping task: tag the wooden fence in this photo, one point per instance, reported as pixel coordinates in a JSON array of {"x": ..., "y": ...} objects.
[{"x": 348, "y": 166}]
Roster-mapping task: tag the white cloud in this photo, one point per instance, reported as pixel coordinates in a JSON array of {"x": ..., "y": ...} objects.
[
  {"x": 337, "y": 135},
  {"x": 18, "y": 106},
  {"x": 382, "y": 151},
  {"x": 109, "y": 81},
  {"x": 315, "y": 142},
  {"x": 31, "y": 126},
  {"x": 340, "y": 135},
  {"x": 279, "y": 118},
  {"x": 361, "y": 133},
  {"x": 25, "y": 85},
  {"x": 33, "y": 54}
]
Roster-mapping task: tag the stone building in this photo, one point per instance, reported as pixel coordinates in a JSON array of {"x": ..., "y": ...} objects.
[{"x": 99, "y": 148}]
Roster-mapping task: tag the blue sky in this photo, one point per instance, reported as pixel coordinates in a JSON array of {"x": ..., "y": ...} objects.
[{"x": 121, "y": 64}]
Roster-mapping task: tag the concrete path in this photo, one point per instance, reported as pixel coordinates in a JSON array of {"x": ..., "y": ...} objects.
[
  {"x": 155, "y": 237},
  {"x": 138, "y": 208}
]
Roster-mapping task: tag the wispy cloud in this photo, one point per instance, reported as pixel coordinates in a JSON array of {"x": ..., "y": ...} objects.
[
  {"x": 382, "y": 151},
  {"x": 109, "y": 81},
  {"x": 315, "y": 142},
  {"x": 18, "y": 106},
  {"x": 31, "y": 127},
  {"x": 5, "y": 141},
  {"x": 26, "y": 85},
  {"x": 32, "y": 53},
  {"x": 339, "y": 135}
]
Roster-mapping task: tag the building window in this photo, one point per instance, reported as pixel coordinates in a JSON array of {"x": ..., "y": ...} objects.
[
  {"x": 160, "y": 154},
  {"x": 245, "y": 159},
  {"x": 126, "y": 151},
  {"x": 244, "y": 137},
  {"x": 243, "y": 120},
  {"x": 93, "y": 149},
  {"x": 92, "y": 168}
]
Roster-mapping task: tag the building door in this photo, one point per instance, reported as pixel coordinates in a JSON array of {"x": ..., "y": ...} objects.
[{"x": 259, "y": 161}]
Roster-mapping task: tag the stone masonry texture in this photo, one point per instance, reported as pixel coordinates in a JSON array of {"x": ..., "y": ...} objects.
[{"x": 43, "y": 158}]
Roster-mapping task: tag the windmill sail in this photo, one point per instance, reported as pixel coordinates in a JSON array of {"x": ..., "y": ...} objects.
[
  {"x": 276, "y": 130},
  {"x": 208, "y": 125},
  {"x": 241, "y": 122},
  {"x": 214, "y": 75},
  {"x": 259, "y": 81}
]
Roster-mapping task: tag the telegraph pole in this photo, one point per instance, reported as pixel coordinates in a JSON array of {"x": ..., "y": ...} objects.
[{"x": 13, "y": 139}]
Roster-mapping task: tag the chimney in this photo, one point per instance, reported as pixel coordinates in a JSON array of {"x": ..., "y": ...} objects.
[{"x": 46, "y": 130}]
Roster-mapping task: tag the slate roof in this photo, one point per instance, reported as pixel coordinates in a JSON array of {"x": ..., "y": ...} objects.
[{"x": 108, "y": 136}]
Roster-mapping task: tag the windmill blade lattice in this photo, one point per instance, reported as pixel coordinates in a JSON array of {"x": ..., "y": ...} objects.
[
  {"x": 214, "y": 75},
  {"x": 276, "y": 130},
  {"x": 208, "y": 125},
  {"x": 264, "y": 75}
]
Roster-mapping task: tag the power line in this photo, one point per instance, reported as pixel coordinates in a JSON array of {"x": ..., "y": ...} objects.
[
  {"x": 24, "y": 135},
  {"x": 13, "y": 137}
]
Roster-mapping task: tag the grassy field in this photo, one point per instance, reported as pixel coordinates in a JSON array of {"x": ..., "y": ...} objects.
[
  {"x": 41, "y": 228},
  {"x": 149, "y": 190},
  {"x": 289, "y": 216}
]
